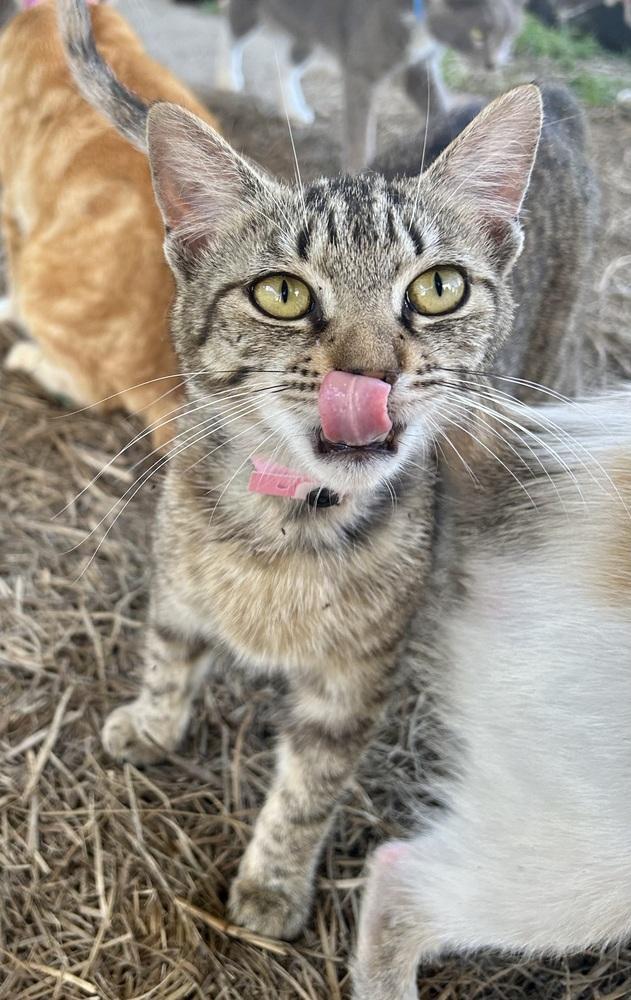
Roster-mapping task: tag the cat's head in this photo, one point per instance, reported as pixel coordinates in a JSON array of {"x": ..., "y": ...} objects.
[
  {"x": 483, "y": 30},
  {"x": 396, "y": 283}
]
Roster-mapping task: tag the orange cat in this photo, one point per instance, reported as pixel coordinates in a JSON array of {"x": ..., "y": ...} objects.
[{"x": 87, "y": 276}]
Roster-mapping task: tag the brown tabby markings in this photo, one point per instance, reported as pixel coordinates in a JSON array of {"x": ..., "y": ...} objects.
[{"x": 87, "y": 272}]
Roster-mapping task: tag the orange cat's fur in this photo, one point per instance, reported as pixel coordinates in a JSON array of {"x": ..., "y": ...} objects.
[{"x": 87, "y": 276}]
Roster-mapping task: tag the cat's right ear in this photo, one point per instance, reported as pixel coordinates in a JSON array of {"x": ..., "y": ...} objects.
[
  {"x": 487, "y": 168},
  {"x": 200, "y": 182}
]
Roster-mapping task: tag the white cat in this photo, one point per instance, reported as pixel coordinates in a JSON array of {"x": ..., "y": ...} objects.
[{"x": 532, "y": 853}]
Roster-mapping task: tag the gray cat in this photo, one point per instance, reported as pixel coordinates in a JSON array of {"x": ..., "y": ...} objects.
[
  {"x": 7, "y": 10},
  {"x": 483, "y": 30},
  {"x": 335, "y": 340},
  {"x": 372, "y": 39}
]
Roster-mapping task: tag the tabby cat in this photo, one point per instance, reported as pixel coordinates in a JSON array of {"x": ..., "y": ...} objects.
[
  {"x": 315, "y": 529},
  {"x": 87, "y": 276}
]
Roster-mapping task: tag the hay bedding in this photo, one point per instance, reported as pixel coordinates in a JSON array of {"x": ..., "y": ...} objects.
[{"x": 113, "y": 881}]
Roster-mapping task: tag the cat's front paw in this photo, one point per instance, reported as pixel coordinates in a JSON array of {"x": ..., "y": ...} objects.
[
  {"x": 24, "y": 355},
  {"x": 269, "y": 909},
  {"x": 7, "y": 312},
  {"x": 124, "y": 740}
]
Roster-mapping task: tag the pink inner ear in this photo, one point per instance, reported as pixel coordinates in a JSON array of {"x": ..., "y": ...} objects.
[
  {"x": 489, "y": 164},
  {"x": 198, "y": 178},
  {"x": 178, "y": 208}
]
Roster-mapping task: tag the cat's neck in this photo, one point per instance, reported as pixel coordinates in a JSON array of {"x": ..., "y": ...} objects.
[{"x": 215, "y": 484}]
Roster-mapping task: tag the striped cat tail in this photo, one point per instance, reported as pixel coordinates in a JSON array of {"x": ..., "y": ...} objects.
[{"x": 96, "y": 81}]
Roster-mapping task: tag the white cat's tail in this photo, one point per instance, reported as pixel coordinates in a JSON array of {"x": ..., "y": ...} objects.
[{"x": 125, "y": 110}]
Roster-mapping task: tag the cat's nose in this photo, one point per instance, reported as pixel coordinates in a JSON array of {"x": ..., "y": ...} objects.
[{"x": 384, "y": 374}]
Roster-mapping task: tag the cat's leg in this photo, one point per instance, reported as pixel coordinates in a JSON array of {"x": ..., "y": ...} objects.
[
  {"x": 37, "y": 356},
  {"x": 360, "y": 121},
  {"x": 424, "y": 83},
  {"x": 12, "y": 238},
  {"x": 243, "y": 19},
  {"x": 394, "y": 933},
  {"x": 7, "y": 310},
  {"x": 28, "y": 357},
  {"x": 297, "y": 106},
  {"x": 328, "y": 728},
  {"x": 505, "y": 879},
  {"x": 237, "y": 54},
  {"x": 176, "y": 664},
  {"x": 158, "y": 402}
]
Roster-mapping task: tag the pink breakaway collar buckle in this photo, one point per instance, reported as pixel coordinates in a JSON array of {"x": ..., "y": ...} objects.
[{"x": 277, "y": 481}]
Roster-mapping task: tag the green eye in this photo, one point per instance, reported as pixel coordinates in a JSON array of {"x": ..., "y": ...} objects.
[
  {"x": 438, "y": 291},
  {"x": 282, "y": 296}
]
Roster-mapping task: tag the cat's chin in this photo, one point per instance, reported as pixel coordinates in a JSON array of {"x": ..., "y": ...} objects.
[{"x": 352, "y": 469}]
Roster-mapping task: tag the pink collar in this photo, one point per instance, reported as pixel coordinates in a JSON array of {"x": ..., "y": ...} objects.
[{"x": 276, "y": 480}]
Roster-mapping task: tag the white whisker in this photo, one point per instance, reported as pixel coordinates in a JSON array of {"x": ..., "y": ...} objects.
[
  {"x": 426, "y": 132},
  {"x": 177, "y": 414},
  {"x": 440, "y": 435},
  {"x": 194, "y": 434},
  {"x": 291, "y": 138},
  {"x": 238, "y": 470},
  {"x": 489, "y": 451}
]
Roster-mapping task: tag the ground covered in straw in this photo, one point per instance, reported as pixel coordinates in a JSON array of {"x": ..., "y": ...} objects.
[{"x": 113, "y": 881}]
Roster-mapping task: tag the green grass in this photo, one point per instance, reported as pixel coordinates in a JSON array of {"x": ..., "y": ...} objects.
[
  {"x": 454, "y": 71},
  {"x": 596, "y": 89},
  {"x": 562, "y": 46},
  {"x": 594, "y": 74},
  {"x": 573, "y": 55}
]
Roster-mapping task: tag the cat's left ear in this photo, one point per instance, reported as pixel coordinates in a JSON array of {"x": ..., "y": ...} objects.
[
  {"x": 487, "y": 168},
  {"x": 201, "y": 183}
]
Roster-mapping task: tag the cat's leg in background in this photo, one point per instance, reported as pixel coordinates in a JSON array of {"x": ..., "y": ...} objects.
[
  {"x": 243, "y": 18},
  {"x": 298, "y": 108},
  {"x": 37, "y": 356},
  {"x": 360, "y": 120},
  {"x": 27, "y": 357},
  {"x": 329, "y": 726},
  {"x": 424, "y": 83},
  {"x": 502, "y": 55},
  {"x": 12, "y": 239},
  {"x": 6, "y": 309},
  {"x": 175, "y": 665},
  {"x": 394, "y": 934},
  {"x": 237, "y": 52}
]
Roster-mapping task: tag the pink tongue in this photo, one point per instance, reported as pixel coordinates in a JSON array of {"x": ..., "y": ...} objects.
[{"x": 354, "y": 408}]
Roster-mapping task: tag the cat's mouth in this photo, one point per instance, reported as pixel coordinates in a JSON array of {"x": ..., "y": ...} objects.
[
  {"x": 354, "y": 417},
  {"x": 384, "y": 445}
]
